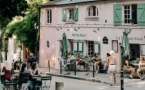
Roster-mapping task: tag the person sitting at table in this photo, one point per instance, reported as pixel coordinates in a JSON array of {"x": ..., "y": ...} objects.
[
  {"x": 34, "y": 72},
  {"x": 129, "y": 68},
  {"x": 16, "y": 67},
  {"x": 97, "y": 60},
  {"x": 141, "y": 67},
  {"x": 7, "y": 72},
  {"x": 21, "y": 78},
  {"x": 79, "y": 61}
]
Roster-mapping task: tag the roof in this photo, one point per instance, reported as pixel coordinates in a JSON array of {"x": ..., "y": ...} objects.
[{"x": 66, "y": 2}]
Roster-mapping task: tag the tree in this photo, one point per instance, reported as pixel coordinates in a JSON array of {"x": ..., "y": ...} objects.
[
  {"x": 10, "y": 9},
  {"x": 24, "y": 29}
]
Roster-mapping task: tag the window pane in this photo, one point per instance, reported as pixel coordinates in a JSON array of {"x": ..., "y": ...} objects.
[{"x": 49, "y": 16}]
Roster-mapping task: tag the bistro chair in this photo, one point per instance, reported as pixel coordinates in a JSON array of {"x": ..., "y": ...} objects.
[
  {"x": 10, "y": 85},
  {"x": 46, "y": 83},
  {"x": 23, "y": 81}
]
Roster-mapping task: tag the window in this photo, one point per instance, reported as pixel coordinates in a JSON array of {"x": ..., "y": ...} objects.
[
  {"x": 93, "y": 47},
  {"x": 49, "y": 16},
  {"x": 130, "y": 14},
  {"x": 78, "y": 47},
  {"x": 92, "y": 11},
  {"x": 70, "y": 14},
  {"x": 90, "y": 48}
]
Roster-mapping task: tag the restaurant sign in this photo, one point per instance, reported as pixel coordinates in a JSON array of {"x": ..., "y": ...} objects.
[
  {"x": 131, "y": 38},
  {"x": 79, "y": 35}
]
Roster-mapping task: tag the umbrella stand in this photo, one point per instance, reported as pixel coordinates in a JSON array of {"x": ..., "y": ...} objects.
[{"x": 121, "y": 70}]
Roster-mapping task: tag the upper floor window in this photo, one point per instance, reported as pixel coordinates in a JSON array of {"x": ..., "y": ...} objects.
[
  {"x": 130, "y": 14},
  {"x": 70, "y": 14},
  {"x": 49, "y": 16},
  {"x": 92, "y": 11}
]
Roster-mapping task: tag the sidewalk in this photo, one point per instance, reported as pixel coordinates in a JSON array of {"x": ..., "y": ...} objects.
[{"x": 87, "y": 76}]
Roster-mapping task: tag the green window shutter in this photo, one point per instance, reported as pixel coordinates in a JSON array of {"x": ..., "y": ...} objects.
[
  {"x": 141, "y": 14},
  {"x": 63, "y": 14},
  {"x": 117, "y": 14},
  {"x": 97, "y": 47},
  {"x": 75, "y": 16}
]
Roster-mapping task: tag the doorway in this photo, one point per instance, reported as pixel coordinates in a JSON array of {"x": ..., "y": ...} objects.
[{"x": 134, "y": 51}]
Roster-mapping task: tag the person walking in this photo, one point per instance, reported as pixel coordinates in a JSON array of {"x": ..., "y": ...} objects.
[{"x": 112, "y": 67}]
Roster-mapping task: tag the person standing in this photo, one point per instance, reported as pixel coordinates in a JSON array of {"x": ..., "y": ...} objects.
[
  {"x": 31, "y": 60},
  {"x": 112, "y": 67}
]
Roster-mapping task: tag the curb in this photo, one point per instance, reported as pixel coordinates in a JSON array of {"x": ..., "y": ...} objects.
[{"x": 79, "y": 78}]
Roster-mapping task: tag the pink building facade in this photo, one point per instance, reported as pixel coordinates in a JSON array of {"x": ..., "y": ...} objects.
[{"x": 90, "y": 27}]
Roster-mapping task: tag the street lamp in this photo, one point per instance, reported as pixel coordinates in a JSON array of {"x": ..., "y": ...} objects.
[
  {"x": 36, "y": 42},
  {"x": 6, "y": 47}
]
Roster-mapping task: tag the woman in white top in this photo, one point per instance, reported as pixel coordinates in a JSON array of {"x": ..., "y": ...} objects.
[
  {"x": 112, "y": 69},
  {"x": 34, "y": 71}
]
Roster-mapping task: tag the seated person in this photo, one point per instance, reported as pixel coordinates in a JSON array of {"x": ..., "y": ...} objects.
[
  {"x": 7, "y": 74},
  {"x": 129, "y": 68},
  {"x": 34, "y": 72},
  {"x": 141, "y": 67},
  {"x": 21, "y": 78},
  {"x": 79, "y": 61},
  {"x": 16, "y": 67},
  {"x": 97, "y": 60},
  {"x": 72, "y": 58}
]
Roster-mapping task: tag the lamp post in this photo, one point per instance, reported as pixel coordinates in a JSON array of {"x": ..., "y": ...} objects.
[
  {"x": 6, "y": 47},
  {"x": 0, "y": 65},
  {"x": 36, "y": 42}
]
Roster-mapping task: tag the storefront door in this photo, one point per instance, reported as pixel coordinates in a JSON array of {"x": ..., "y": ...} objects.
[{"x": 134, "y": 51}]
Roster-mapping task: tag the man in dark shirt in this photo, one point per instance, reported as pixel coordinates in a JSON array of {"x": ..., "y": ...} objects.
[{"x": 31, "y": 60}]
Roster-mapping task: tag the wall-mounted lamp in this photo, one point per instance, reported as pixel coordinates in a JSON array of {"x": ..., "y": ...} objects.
[
  {"x": 36, "y": 26},
  {"x": 98, "y": 29},
  {"x": 75, "y": 29},
  {"x": 95, "y": 31},
  {"x": 67, "y": 29},
  {"x": 47, "y": 43},
  {"x": 78, "y": 27}
]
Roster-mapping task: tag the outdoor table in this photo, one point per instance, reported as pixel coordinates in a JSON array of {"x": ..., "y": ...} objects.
[
  {"x": 15, "y": 75},
  {"x": 135, "y": 65},
  {"x": 39, "y": 77}
]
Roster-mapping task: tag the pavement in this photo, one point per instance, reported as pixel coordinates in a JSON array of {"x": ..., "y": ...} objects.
[{"x": 87, "y": 76}]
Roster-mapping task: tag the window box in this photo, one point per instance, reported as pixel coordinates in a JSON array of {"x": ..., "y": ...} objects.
[{"x": 92, "y": 18}]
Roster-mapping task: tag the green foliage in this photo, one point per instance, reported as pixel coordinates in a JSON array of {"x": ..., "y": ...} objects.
[
  {"x": 24, "y": 29},
  {"x": 10, "y": 9}
]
